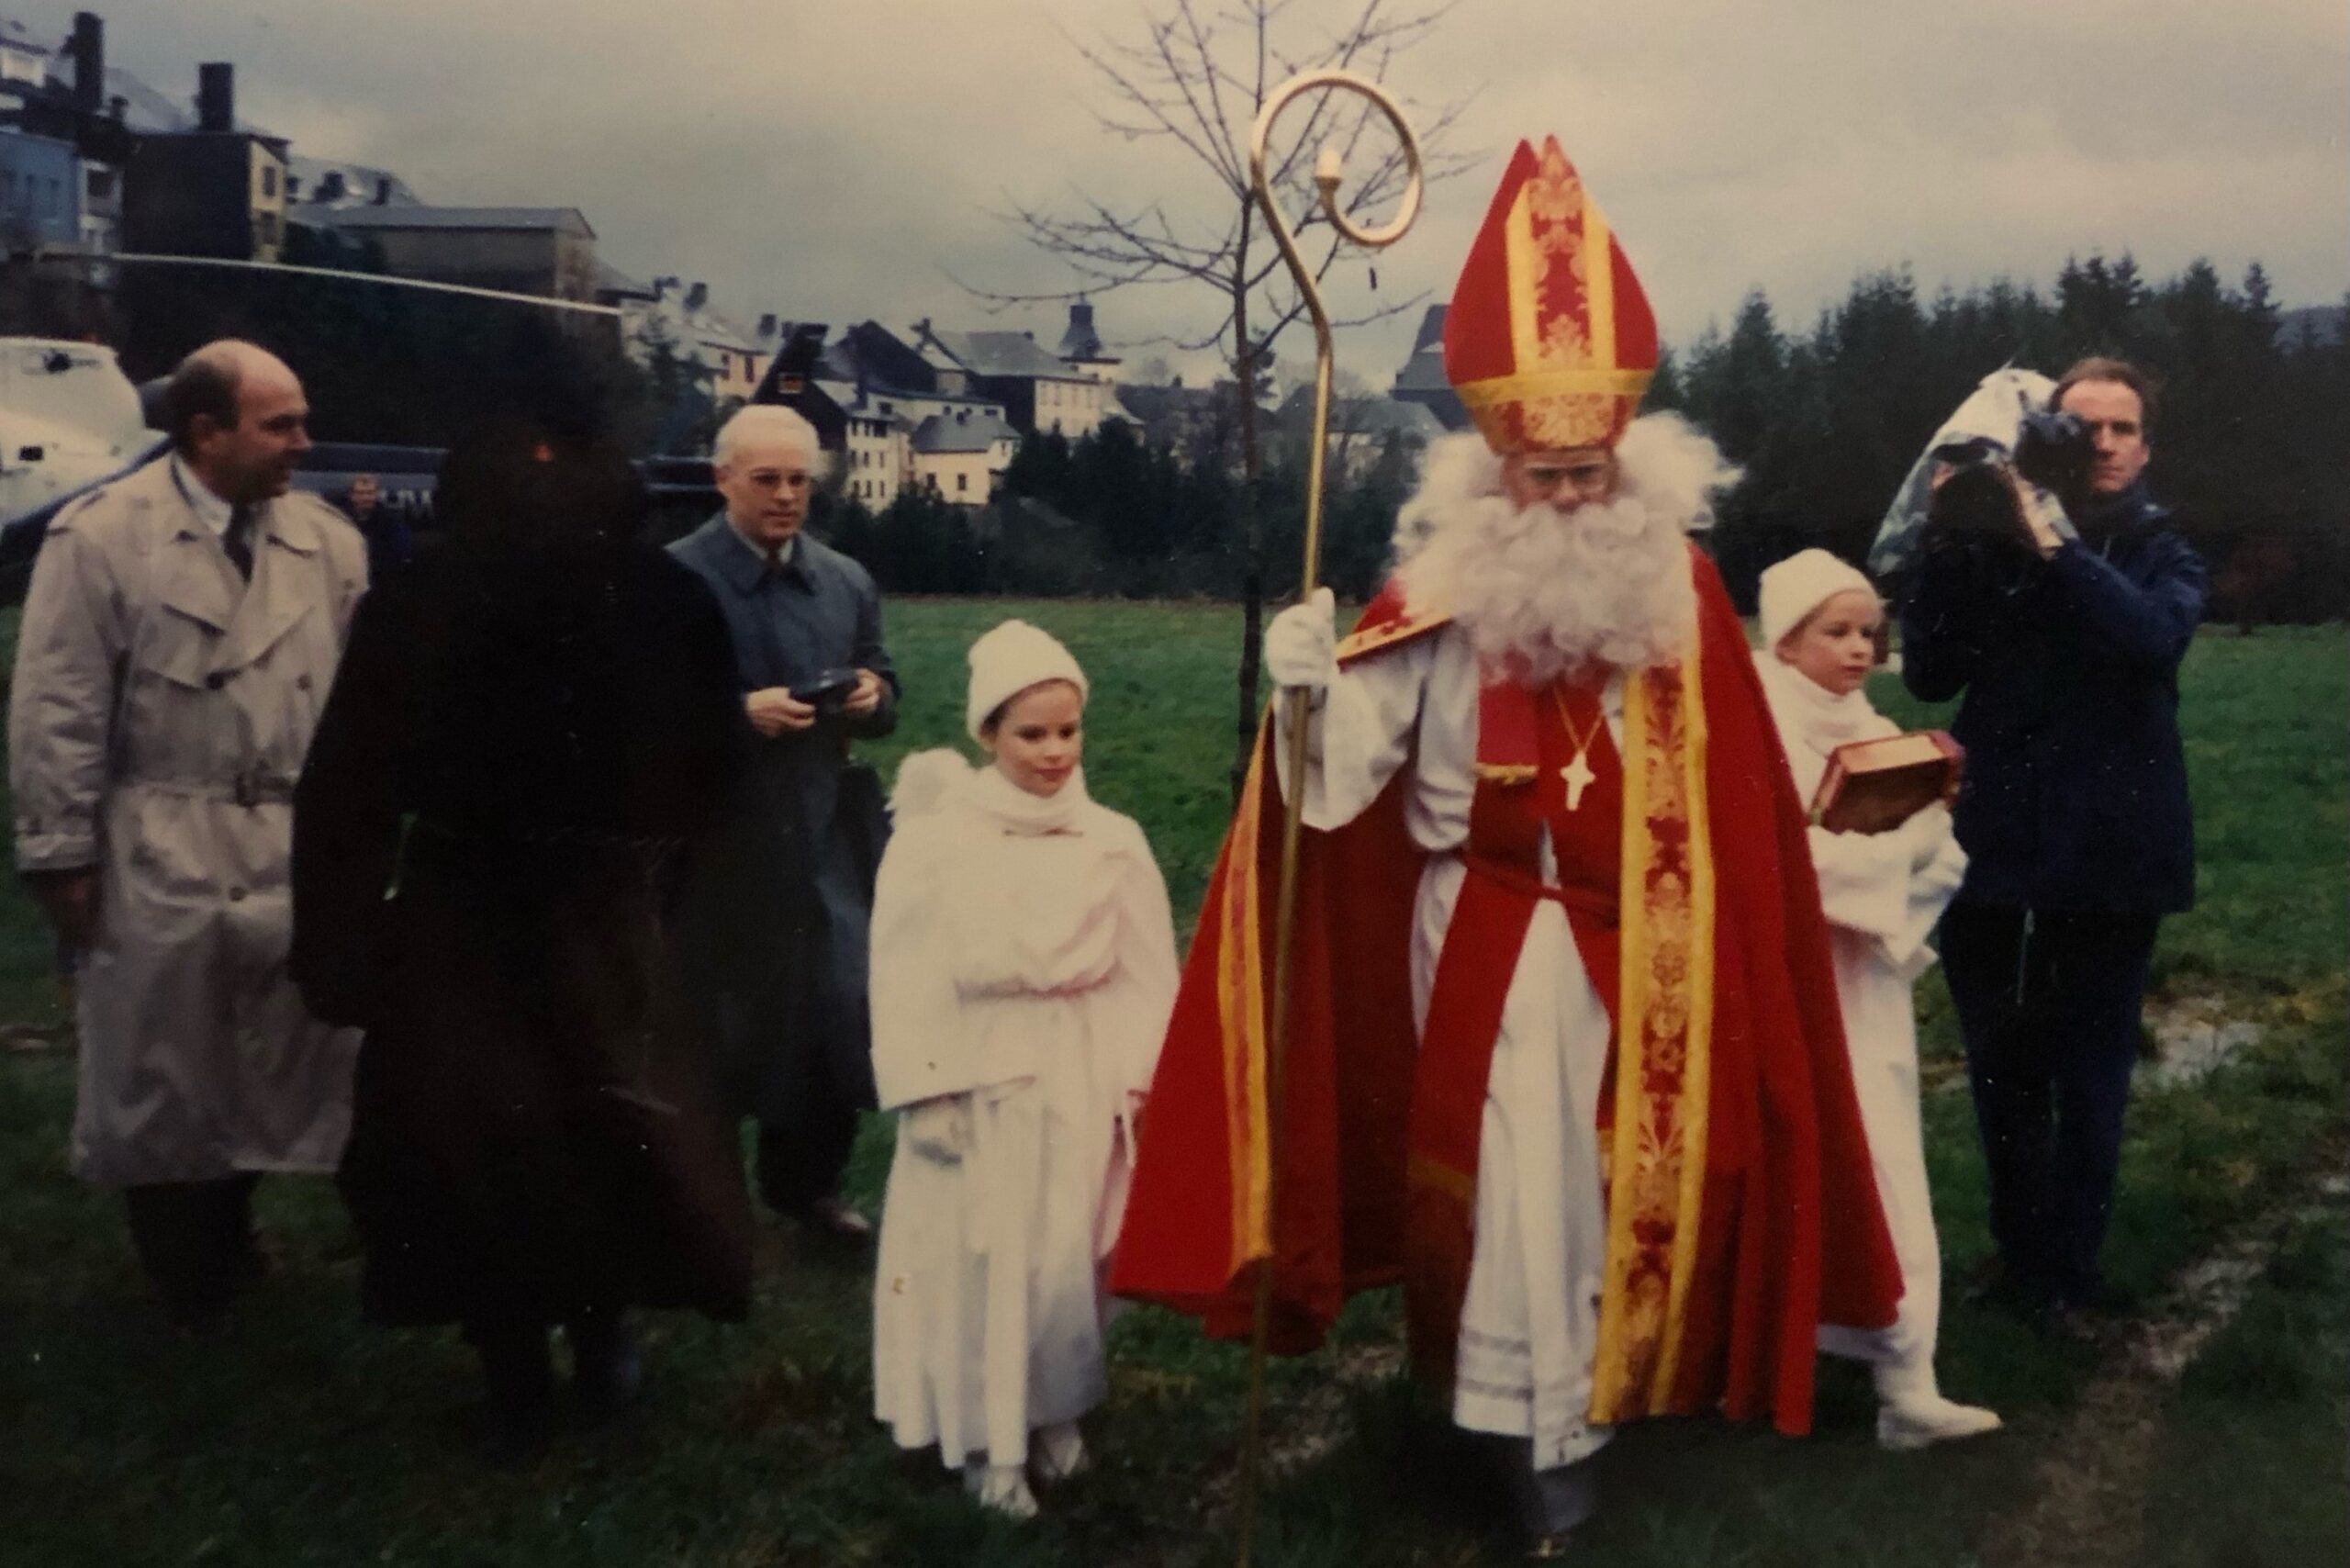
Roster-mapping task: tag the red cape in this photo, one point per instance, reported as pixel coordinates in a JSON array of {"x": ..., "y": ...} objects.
[{"x": 1790, "y": 1233}]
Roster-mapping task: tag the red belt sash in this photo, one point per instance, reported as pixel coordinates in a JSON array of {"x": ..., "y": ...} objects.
[
  {"x": 1522, "y": 749},
  {"x": 1526, "y": 741}
]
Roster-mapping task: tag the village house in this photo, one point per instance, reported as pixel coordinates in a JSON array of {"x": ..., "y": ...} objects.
[
  {"x": 962, "y": 457},
  {"x": 217, "y": 190},
  {"x": 548, "y": 251},
  {"x": 1038, "y": 390},
  {"x": 1421, "y": 380},
  {"x": 65, "y": 139}
]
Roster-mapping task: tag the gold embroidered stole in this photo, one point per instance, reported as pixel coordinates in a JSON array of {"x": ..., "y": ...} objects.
[{"x": 1654, "y": 1152}]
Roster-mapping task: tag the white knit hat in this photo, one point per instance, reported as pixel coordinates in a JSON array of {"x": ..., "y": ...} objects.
[
  {"x": 1801, "y": 584},
  {"x": 1007, "y": 662}
]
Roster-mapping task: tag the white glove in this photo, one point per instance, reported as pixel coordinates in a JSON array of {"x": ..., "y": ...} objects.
[
  {"x": 1926, "y": 832},
  {"x": 940, "y": 1129},
  {"x": 1302, "y": 644}
]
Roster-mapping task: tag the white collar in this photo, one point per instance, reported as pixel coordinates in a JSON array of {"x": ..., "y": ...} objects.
[
  {"x": 202, "y": 500},
  {"x": 785, "y": 554},
  {"x": 1807, "y": 711},
  {"x": 1017, "y": 811}
]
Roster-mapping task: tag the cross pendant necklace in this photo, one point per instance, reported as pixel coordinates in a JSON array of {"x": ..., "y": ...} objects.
[
  {"x": 1579, "y": 776},
  {"x": 1577, "y": 773}
]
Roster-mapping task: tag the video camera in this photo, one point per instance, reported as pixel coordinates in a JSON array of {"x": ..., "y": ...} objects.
[{"x": 1973, "y": 502}]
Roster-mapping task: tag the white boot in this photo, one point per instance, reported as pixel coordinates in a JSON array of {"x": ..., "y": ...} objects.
[
  {"x": 1913, "y": 1413},
  {"x": 1059, "y": 1453},
  {"x": 1003, "y": 1488}
]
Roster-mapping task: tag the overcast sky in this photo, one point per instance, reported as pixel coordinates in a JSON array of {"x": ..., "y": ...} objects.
[{"x": 832, "y": 161}]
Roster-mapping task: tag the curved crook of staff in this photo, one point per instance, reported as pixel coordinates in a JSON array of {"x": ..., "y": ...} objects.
[{"x": 1328, "y": 175}]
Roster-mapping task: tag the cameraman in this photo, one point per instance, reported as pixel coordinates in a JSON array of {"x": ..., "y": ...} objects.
[
  {"x": 2074, "y": 817},
  {"x": 787, "y": 894}
]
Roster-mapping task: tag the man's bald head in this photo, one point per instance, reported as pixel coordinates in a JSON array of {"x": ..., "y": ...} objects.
[{"x": 236, "y": 413}]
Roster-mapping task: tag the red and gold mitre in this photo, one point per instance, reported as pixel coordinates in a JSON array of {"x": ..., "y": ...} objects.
[{"x": 1549, "y": 342}]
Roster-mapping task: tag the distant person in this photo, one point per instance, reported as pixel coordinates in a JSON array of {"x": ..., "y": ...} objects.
[
  {"x": 533, "y": 722},
  {"x": 1882, "y": 893},
  {"x": 1024, "y": 966},
  {"x": 182, "y": 630},
  {"x": 390, "y": 542},
  {"x": 785, "y": 917},
  {"x": 2065, "y": 652}
]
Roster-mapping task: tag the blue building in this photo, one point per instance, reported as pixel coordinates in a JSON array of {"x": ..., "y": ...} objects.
[{"x": 40, "y": 191}]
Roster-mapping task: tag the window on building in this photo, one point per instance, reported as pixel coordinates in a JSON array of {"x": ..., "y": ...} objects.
[
  {"x": 268, "y": 180},
  {"x": 962, "y": 481}
]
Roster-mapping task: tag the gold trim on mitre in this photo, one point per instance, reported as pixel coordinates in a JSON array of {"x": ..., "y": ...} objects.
[{"x": 1583, "y": 381}]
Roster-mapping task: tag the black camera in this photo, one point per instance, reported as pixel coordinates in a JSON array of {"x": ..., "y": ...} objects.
[
  {"x": 1974, "y": 513},
  {"x": 829, "y": 693},
  {"x": 2055, "y": 450}
]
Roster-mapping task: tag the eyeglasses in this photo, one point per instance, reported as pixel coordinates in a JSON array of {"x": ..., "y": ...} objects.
[{"x": 1592, "y": 478}]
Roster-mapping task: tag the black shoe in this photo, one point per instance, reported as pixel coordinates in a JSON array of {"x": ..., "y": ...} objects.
[
  {"x": 2000, "y": 1285},
  {"x": 519, "y": 1376},
  {"x": 2064, "y": 1322},
  {"x": 607, "y": 1367}
]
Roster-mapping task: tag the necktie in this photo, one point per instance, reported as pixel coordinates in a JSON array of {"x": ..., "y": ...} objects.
[{"x": 237, "y": 540}]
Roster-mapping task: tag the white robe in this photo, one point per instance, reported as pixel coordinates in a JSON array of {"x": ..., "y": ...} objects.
[
  {"x": 1530, "y": 1324},
  {"x": 1023, "y": 957},
  {"x": 1882, "y": 894}
]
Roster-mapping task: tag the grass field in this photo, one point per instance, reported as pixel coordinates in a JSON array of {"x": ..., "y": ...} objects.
[{"x": 305, "y": 1437}]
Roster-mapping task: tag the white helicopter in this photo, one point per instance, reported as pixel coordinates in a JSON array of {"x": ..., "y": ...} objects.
[{"x": 70, "y": 421}]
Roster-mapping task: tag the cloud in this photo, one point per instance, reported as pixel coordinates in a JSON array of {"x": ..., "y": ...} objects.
[{"x": 840, "y": 161}]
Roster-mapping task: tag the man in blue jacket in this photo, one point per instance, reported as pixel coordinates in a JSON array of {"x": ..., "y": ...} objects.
[
  {"x": 2075, "y": 824},
  {"x": 787, "y": 893}
]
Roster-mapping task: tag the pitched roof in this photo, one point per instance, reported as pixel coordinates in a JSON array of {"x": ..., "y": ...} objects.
[
  {"x": 1003, "y": 354},
  {"x": 144, "y": 109},
  {"x": 939, "y": 434},
  {"x": 710, "y": 327},
  {"x": 1371, "y": 415},
  {"x": 1147, "y": 403},
  {"x": 360, "y": 181},
  {"x": 611, "y": 280},
  {"x": 1424, "y": 372},
  {"x": 569, "y": 219},
  {"x": 16, "y": 36}
]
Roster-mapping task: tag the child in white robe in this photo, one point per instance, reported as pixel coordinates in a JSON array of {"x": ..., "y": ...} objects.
[
  {"x": 1882, "y": 894},
  {"x": 1024, "y": 967}
]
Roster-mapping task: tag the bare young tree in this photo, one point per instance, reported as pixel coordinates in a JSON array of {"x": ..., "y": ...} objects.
[{"x": 1196, "y": 78}]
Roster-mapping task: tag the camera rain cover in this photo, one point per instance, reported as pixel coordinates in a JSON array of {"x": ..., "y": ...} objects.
[{"x": 1983, "y": 428}]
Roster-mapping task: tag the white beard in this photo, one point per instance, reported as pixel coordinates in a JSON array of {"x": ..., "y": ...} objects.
[{"x": 1544, "y": 593}]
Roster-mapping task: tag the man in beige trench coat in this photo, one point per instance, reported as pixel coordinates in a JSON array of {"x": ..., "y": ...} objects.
[{"x": 179, "y": 636}]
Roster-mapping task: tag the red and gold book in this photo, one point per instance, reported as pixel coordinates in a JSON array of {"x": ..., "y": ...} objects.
[{"x": 1874, "y": 786}]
